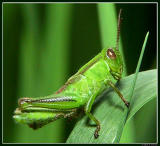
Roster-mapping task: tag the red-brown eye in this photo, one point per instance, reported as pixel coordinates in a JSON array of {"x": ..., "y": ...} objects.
[{"x": 111, "y": 54}]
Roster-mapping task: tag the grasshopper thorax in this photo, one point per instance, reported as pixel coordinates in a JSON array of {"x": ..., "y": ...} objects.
[{"x": 113, "y": 60}]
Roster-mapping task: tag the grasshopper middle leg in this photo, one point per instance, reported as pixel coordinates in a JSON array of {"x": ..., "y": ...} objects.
[{"x": 91, "y": 116}]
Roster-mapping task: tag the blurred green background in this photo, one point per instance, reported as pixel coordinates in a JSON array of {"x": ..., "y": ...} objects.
[{"x": 44, "y": 44}]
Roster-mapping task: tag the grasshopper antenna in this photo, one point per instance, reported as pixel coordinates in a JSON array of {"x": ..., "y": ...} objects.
[{"x": 118, "y": 29}]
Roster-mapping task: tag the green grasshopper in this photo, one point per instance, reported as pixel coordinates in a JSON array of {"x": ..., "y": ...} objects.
[{"x": 80, "y": 91}]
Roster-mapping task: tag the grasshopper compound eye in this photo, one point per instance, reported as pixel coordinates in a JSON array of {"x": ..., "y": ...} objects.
[{"x": 110, "y": 54}]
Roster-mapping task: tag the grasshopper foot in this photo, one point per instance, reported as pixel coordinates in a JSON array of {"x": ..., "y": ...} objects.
[
  {"x": 127, "y": 104},
  {"x": 96, "y": 132}
]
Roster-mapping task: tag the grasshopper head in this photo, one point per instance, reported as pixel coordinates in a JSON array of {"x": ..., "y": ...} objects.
[
  {"x": 112, "y": 55},
  {"x": 114, "y": 61}
]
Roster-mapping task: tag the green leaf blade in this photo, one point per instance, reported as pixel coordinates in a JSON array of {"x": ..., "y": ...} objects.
[
  {"x": 138, "y": 65},
  {"x": 149, "y": 92}
]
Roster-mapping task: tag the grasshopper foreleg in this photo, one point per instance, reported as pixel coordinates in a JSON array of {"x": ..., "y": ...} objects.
[{"x": 119, "y": 93}]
